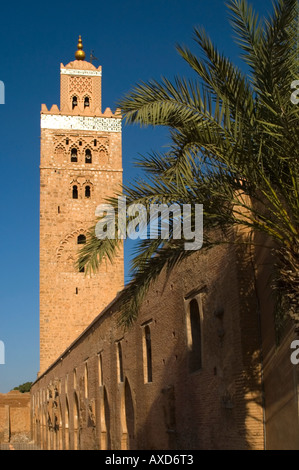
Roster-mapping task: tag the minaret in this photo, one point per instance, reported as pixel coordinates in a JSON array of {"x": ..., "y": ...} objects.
[{"x": 81, "y": 165}]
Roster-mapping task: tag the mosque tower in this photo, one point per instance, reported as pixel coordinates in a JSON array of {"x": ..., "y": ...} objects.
[{"x": 81, "y": 165}]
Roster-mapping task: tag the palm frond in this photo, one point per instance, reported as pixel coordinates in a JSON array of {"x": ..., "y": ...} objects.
[{"x": 233, "y": 148}]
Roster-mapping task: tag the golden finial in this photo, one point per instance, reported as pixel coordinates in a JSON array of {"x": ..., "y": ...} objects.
[{"x": 80, "y": 54}]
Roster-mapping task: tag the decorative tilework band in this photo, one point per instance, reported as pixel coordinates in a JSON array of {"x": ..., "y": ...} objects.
[
  {"x": 88, "y": 73},
  {"x": 80, "y": 123}
]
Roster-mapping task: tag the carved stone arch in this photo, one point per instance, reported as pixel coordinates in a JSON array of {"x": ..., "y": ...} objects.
[
  {"x": 74, "y": 180},
  {"x": 44, "y": 436},
  {"x": 103, "y": 154},
  {"x": 58, "y": 140},
  {"x": 74, "y": 145},
  {"x": 105, "y": 421},
  {"x": 123, "y": 422},
  {"x": 104, "y": 141},
  {"x": 74, "y": 98},
  {"x": 84, "y": 97},
  {"x": 87, "y": 189},
  {"x": 129, "y": 414},
  {"x": 67, "y": 423},
  {"x": 76, "y": 422},
  {"x": 72, "y": 142},
  {"x": 60, "y": 426},
  {"x": 73, "y": 149},
  {"x": 87, "y": 181},
  {"x": 60, "y": 150},
  {"x": 88, "y": 152},
  {"x": 88, "y": 146},
  {"x": 103, "y": 148},
  {"x": 74, "y": 183},
  {"x": 67, "y": 239}
]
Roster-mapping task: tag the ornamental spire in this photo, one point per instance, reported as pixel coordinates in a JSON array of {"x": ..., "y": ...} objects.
[{"x": 80, "y": 54}]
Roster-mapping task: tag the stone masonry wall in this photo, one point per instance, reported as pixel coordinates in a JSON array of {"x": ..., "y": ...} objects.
[
  {"x": 14, "y": 416},
  {"x": 99, "y": 394}
]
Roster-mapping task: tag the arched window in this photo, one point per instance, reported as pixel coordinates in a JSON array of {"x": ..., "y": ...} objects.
[
  {"x": 75, "y": 192},
  {"x": 102, "y": 154},
  {"x": 66, "y": 426},
  {"x": 100, "y": 367},
  {"x": 120, "y": 362},
  {"x": 88, "y": 158},
  {"x": 76, "y": 420},
  {"x": 130, "y": 416},
  {"x": 86, "y": 380},
  {"x": 87, "y": 191},
  {"x": 81, "y": 239},
  {"x": 75, "y": 378},
  {"x": 105, "y": 423},
  {"x": 74, "y": 102},
  {"x": 86, "y": 102},
  {"x": 194, "y": 336},
  {"x": 74, "y": 155},
  {"x": 147, "y": 354}
]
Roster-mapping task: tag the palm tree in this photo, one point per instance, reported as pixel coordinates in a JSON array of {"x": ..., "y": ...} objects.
[{"x": 234, "y": 148}]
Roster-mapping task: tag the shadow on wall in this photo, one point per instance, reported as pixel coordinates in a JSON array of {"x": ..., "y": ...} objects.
[
  {"x": 237, "y": 400},
  {"x": 219, "y": 405},
  {"x": 200, "y": 413},
  {"x": 179, "y": 403}
]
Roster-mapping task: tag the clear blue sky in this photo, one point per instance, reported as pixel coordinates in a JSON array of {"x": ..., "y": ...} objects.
[{"x": 133, "y": 40}]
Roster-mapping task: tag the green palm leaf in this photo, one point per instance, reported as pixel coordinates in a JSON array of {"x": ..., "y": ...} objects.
[{"x": 233, "y": 147}]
